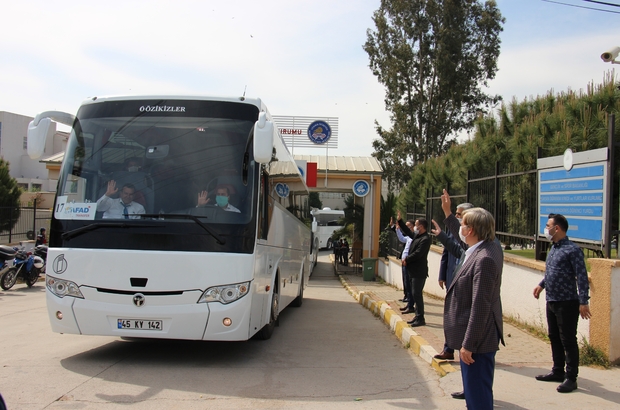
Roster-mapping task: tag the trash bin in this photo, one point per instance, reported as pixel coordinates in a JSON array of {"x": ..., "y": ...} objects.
[{"x": 368, "y": 271}]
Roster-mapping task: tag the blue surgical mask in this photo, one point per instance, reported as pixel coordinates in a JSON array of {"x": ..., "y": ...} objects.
[{"x": 222, "y": 201}]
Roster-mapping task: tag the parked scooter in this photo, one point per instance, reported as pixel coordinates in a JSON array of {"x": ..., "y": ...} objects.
[{"x": 25, "y": 265}]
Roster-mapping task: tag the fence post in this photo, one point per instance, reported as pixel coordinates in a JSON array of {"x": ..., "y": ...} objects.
[
  {"x": 611, "y": 147},
  {"x": 34, "y": 216},
  {"x": 496, "y": 187}
]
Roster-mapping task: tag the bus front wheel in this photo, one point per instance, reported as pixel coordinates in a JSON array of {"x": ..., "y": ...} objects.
[{"x": 267, "y": 330}]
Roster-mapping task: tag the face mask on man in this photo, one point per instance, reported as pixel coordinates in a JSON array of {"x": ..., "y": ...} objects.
[
  {"x": 548, "y": 234},
  {"x": 222, "y": 201},
  {"x": 461, "y": 235},
  {"x": 416, "y": 231},
  {"x": 134, "y": 168}
]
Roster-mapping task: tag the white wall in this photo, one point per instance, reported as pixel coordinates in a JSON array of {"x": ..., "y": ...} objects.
[{"x": 519, "y": 278}]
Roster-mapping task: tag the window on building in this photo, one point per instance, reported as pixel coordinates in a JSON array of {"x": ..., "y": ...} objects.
[{"x": 25, "y": 142}]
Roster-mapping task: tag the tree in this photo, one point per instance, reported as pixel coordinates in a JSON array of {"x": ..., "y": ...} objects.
[
  {"x": 314, "y": 201},
  {"x": 433, "y": 57},
  {"x": 9, "y": 198}
]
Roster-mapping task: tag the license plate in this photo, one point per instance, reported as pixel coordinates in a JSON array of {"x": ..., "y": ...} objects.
[{"x": 140, "y": 324}]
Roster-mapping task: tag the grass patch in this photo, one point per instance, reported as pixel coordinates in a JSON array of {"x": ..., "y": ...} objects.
[
  {"x": 535, "y": 331},
  {"x": 592, "y": 356}
]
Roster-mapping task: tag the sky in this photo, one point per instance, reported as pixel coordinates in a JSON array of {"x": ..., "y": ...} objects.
[{"x": 302, "y": 57}]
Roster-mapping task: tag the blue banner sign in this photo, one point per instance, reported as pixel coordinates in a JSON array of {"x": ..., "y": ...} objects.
[
  {"x": 572, "y": 210},
  {"x": 589, "y": 198},
  {"x": 596, "y": 171},
  {"x": 578, "y": 185},
  {"x": 579, "y": 193}
]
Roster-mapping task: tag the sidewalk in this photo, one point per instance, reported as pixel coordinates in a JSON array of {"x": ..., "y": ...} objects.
[{"x": 523, "y": 357}]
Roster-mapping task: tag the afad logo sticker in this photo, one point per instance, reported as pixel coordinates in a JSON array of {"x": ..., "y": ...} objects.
[
  {"x": 74, "y": 210},
  {"x": 319, "y": 132}
]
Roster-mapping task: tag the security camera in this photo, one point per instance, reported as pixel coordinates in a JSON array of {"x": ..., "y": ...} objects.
[{"x": 611, "y": 55}]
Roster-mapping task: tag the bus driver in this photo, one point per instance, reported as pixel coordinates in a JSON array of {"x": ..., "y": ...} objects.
[{"x": 119, "y": 208}]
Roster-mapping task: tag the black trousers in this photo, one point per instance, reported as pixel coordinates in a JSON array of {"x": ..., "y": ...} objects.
[
  {"x": 562, "y": 318},
  {"x": 417, "y": 286}
]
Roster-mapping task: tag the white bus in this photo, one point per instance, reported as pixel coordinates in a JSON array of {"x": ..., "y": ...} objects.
[
  {"x": 183, "y": 269},
  {"x": 327, "y": 221}
]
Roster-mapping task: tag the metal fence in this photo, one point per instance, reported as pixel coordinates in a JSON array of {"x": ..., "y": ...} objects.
[
  {"x": 510, "y": 196},
  {"x": 25, "y": 224}
]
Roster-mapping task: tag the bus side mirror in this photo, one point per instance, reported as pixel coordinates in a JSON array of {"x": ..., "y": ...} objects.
[
  {"x": 314, "y": 226},
  {"x": 40, "y": 126},
  {"x": 263, "y": 139},
  {"x": 37, "y": 135}
]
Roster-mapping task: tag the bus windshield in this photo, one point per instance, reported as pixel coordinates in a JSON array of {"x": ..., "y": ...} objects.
[{"x": 178, "y": 173}]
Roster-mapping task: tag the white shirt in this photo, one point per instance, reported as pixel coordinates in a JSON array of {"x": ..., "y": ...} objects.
[
  {"x": 231, "y": 208},
  {"x": 470, "y": 250},
  {"x": 114, "y": 208},
  {"x": 406, "y": 240}
]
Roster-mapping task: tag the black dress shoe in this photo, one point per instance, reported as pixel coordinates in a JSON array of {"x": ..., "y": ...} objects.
[
  {"x": 406, "y": 311},
  {"x": 550, "y": 377},
  {"x": 417, "y": 322},
  {"x": 458, "y": 395},
  {"x": 444, "y": 356},
  {"x": 567, "y": 386},
  {"x": 403, "y": 300}
]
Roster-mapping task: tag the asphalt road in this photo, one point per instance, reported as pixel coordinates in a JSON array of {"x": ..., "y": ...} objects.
[{"x": 331, "y": 353}]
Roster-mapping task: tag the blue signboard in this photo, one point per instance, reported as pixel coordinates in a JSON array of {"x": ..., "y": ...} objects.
[
  {"x": 578, "y": 194},
  {"x": 282, "y": 190},
  {"x": 596, "y": 171},
  {"x": 319, "y": 132},
  {"x": 576, "y": 185},
  {"x": 589, "y": 198},
  {"x": 572, "y": 210},
  {"x": 361, "y": 188}
]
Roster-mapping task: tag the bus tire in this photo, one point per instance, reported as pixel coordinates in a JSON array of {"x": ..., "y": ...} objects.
[
  {"x": 267, "y": 330},
  {"x": 298, "y": 301}
]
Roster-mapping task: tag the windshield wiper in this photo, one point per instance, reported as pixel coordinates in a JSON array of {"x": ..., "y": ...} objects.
[
  {"x": 76, "y": 232},
  {"x": 83, "y": 229},
  {"x": 217, "y": 237}
]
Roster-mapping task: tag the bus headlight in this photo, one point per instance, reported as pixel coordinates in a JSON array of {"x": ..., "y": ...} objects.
[
  {"x": 225, "y": 294},
  {"x": 62, "y": 288}
]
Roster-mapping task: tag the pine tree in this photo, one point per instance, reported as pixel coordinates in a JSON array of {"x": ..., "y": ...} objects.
[{"x": 9, "y": 198}]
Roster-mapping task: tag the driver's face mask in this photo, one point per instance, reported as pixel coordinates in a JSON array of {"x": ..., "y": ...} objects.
[
  {"x": 222, "y": 201},
  {"x": 134, "y": 168}
]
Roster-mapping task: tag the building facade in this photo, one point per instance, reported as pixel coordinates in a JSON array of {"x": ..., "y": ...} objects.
[{"x": 31, "y": 174}]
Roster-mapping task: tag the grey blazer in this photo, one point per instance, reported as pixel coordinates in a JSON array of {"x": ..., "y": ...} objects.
[{"x": 473, "y": 307}]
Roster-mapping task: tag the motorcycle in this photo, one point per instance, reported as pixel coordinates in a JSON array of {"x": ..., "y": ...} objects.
[
  {"x": 6, "y": 254},
  {"x": 41, "y": 252},
  {"x": 25, "y": 265}
]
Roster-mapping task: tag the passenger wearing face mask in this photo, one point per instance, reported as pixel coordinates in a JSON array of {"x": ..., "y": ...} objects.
[{"x": 221, "y": 199}]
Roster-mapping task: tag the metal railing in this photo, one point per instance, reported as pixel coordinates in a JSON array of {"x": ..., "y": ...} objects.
[{"x": 24, "y": 224}]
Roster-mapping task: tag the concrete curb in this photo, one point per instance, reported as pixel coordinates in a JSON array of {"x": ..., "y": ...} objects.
[{"x": 401, "y": 329}]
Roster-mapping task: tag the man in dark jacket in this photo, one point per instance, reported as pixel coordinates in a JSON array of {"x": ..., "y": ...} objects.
[{"x": 417, "y": 267}]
